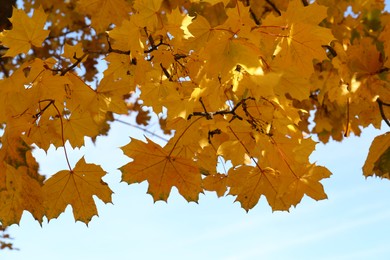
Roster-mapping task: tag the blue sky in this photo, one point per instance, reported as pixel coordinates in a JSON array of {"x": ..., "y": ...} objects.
[{"x": 351, "y": 224}]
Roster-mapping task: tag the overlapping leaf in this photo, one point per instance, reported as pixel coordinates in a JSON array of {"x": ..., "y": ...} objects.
[
  {"x": 162, "y": 169},
  {"x": 26, "y": 31}
]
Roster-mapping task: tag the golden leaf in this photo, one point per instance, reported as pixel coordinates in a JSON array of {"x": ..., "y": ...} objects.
[
  {"x": 22, "y": 192},
  {"x": 104, "y": 12},
  {"x": 76, "y": 188},
  {"x": 26, "y": 31},
  {"x": 162, "y": 169},
  {"x": 377, "y": 160}
]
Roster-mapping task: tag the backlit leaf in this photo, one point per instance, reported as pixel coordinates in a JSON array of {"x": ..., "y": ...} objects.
[
  {"x": 76, "y": 188},
  {"x": 26, "y": 31}
]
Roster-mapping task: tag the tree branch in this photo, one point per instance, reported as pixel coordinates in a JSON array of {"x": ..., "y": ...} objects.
[
  {"x": 210, "y": 115},
  {"x": 381, "y": 104},
  {"x": 74, "y": 65},
  {"x": 274, "y": 7}
]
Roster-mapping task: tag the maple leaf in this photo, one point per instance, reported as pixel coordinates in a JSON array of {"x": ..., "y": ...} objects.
[
  {"x": 162, "y": 169},
  {"x": 249, "y": 183},
  {"x": 217, "y": 183},
  {"x": 111, "y": 94},
  {"x": 26, "y": 31},
  {"x": 104, "y": 12},
  {"x": 148, "y": 12},
  {"x": 377, "y": 161},
  {"x": 76, "y": 188},
  {"x": 77, "y": 126},
  {"x": 74, "y": 52},
  {"x": 127, "y": 36},
  {"x": 308, "y": 183},
  {"x": 21, "y": 192},
  {"x": 299, "y": 37},
  {"x": 384, "y": 36}
]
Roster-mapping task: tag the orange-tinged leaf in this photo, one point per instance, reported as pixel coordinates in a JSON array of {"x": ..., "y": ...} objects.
[
  {"x": 162, "y": 169},
  {"x": 127, "y": 36},
  {"x": 200, "y": 31},
  {"x": 77, "y": 126},
  {"x": 76, "y": 188},
  {"x": 104, "y": 12},
  {"x": 299, "y": 37},
  {"x": 110, "y": 94},
  {"x": 213, "y": 2},
  {"x": 26, "y": 31},
  {"x": 385, "y": 35},
  {"x": 227, "y": 52},
  {"x": 148, "y": 12},
  {"x": 250, "y": 183},
  {"x": 216, "y": 182},
  {"x": 378, "y": 149},
  {"x": 308, "y": 183},
  {"x": 22, "y": 192},
  {"x": 234, "y": 151},
  {"x": 74, "y": 52}
]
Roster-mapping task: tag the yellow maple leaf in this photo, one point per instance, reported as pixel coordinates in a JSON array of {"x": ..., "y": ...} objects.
[
  {"x": 79, "y": 125},
  {"x": 126, "y": 37},
  {"x": 199, "y": 32},
  {"x": 162, "y": 169},
  {"x": 384, "y": 36},
  {"x": 176, "y": 25},
  {"x": 216, "y": 182},
  {"x": 249, "y": 183},
  {"x": 111, "y": 92},
  {"x": 104, "y": 12},
  {"x": 298, "y": 35},
  {"x": 26, "y": 31},
  {"x": 308, "y": 183},
  {"x": 22, "y": 192},
  {"x": 76, "y": 188},
  {"x": 213, "y": 2},
  {"x": 74, "y": 52},
  {"x": 148, "y": 10},
  {"x": 378, "y": 148}
]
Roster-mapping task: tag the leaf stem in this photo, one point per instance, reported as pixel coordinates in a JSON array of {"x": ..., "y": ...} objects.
[
  {"x": 381, "y": 104},
  {"x": 143, "y": 129},
  {"x": 62, "y": 136},
  {"x": 181, "y": 135}
]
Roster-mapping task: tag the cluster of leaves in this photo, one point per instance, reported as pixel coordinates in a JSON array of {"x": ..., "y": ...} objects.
[{"x": 233, "y": 80}]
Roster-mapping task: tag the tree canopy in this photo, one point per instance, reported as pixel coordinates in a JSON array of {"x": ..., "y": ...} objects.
[{"x": 248, "y": 85}]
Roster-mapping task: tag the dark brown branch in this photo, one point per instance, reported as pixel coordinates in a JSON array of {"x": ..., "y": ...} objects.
[
  {"x": 212, "y": 133},
  {"x": 110, "y": 49},
  {"x": 166, "y": 72},
  {"x": 74, "y": 65},
  {"x": 274, "y": 7},
  {"x": 381, "y": 104},
  {"x": 3, "y": 69},
  {"x": 254, "y": 17},
  {"x": 50, "y": 102},
  {"x": 210, "y": 115},
  {"x": 331, "y": 52}
]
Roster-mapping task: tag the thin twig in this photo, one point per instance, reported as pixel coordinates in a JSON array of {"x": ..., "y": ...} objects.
[
  {"x": 381, "y": 104},
  {"x": 62, "y": 136},
  {"x": 74, "y": 65},
  {"x": 274, "y": 7},
  {"x": 143, "y": 129}
]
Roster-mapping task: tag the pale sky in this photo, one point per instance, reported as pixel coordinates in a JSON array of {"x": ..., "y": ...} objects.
[{"x": 353, "y": 223}]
